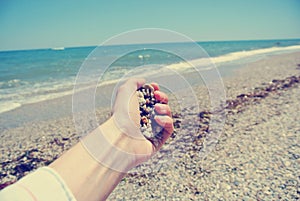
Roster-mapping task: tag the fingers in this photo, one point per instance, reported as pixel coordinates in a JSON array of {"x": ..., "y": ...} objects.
[
  {"x": 166, "y": 122},
  {"x": 161, "y": 97},
  {"x": 163, "y": 118},
  {"x": 162, "y": 109},
  {"x": 155, "y": 86}
]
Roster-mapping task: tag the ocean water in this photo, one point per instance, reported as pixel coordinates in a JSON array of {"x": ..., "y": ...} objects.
[{"x": 29, "y": 76}]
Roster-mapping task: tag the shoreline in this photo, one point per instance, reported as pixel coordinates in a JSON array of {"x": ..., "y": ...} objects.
[
  {"x": 63, "y": 135},
  {"x": 62, "y": 106}
]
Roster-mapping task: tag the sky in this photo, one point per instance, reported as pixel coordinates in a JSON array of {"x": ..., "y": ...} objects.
[{"x": 33, "y": 24}]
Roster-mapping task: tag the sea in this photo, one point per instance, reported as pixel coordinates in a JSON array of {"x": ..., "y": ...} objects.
[{"x": 31, "y": 76}]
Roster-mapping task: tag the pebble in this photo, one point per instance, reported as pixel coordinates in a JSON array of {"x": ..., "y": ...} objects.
[{"x": 146, "y": 99}]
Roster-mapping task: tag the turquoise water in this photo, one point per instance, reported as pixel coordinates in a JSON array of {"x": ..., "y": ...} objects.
[{"x": 30, "y": 76}]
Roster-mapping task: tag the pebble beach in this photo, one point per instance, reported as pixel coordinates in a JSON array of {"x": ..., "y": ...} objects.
[{"x": 257, "y": 157}]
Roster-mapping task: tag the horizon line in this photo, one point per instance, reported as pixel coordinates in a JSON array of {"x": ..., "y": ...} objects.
[{"x": 61, "y": 48}]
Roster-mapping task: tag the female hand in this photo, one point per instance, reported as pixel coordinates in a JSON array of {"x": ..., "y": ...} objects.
[
  {"x": 118, "y": 143},
  {"x": 126, "y": 116}
]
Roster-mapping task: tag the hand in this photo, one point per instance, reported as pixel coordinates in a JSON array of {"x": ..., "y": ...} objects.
[
  {"x": 118, "y": 143},
  {"x": 126, "y": 116}
]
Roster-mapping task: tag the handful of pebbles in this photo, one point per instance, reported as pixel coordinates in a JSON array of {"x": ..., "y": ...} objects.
[{"x": 149, "y": 128}]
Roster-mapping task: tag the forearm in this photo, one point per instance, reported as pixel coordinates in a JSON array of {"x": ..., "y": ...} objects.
[{"x": 86, "y": 177}]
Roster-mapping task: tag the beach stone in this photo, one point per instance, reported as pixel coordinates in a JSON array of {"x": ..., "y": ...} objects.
[{"x": 149, "y": 128}]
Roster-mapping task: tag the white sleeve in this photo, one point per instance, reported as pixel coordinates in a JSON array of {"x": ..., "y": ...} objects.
[{"x": 42, "y": 185}]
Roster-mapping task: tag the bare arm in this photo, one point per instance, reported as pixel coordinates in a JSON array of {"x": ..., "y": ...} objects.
[{"x": 89, "y": 179}]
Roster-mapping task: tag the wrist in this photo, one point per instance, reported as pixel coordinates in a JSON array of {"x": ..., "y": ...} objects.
[
  {"x": 110, "y": 147},
  {"x": 78, "y": 169}
]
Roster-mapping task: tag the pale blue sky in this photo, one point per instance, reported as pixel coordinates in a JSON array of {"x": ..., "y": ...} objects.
[{"x": 28, "y": 24}]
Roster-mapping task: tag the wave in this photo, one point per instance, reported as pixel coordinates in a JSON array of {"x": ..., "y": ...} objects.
[
  {"x": 240, "y": 55},
  {"x": 15, "y": 93},
  {"x": 7, "y": 106},
  {"x": 208, "y": 63},
  {"x": 12, "y": 83},
  {"x": 58, "y": 48},
  {"x": 38, "y": 93}
]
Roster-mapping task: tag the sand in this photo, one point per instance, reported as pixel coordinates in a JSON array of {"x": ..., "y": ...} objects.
[{"x": 257, "y": 157}]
